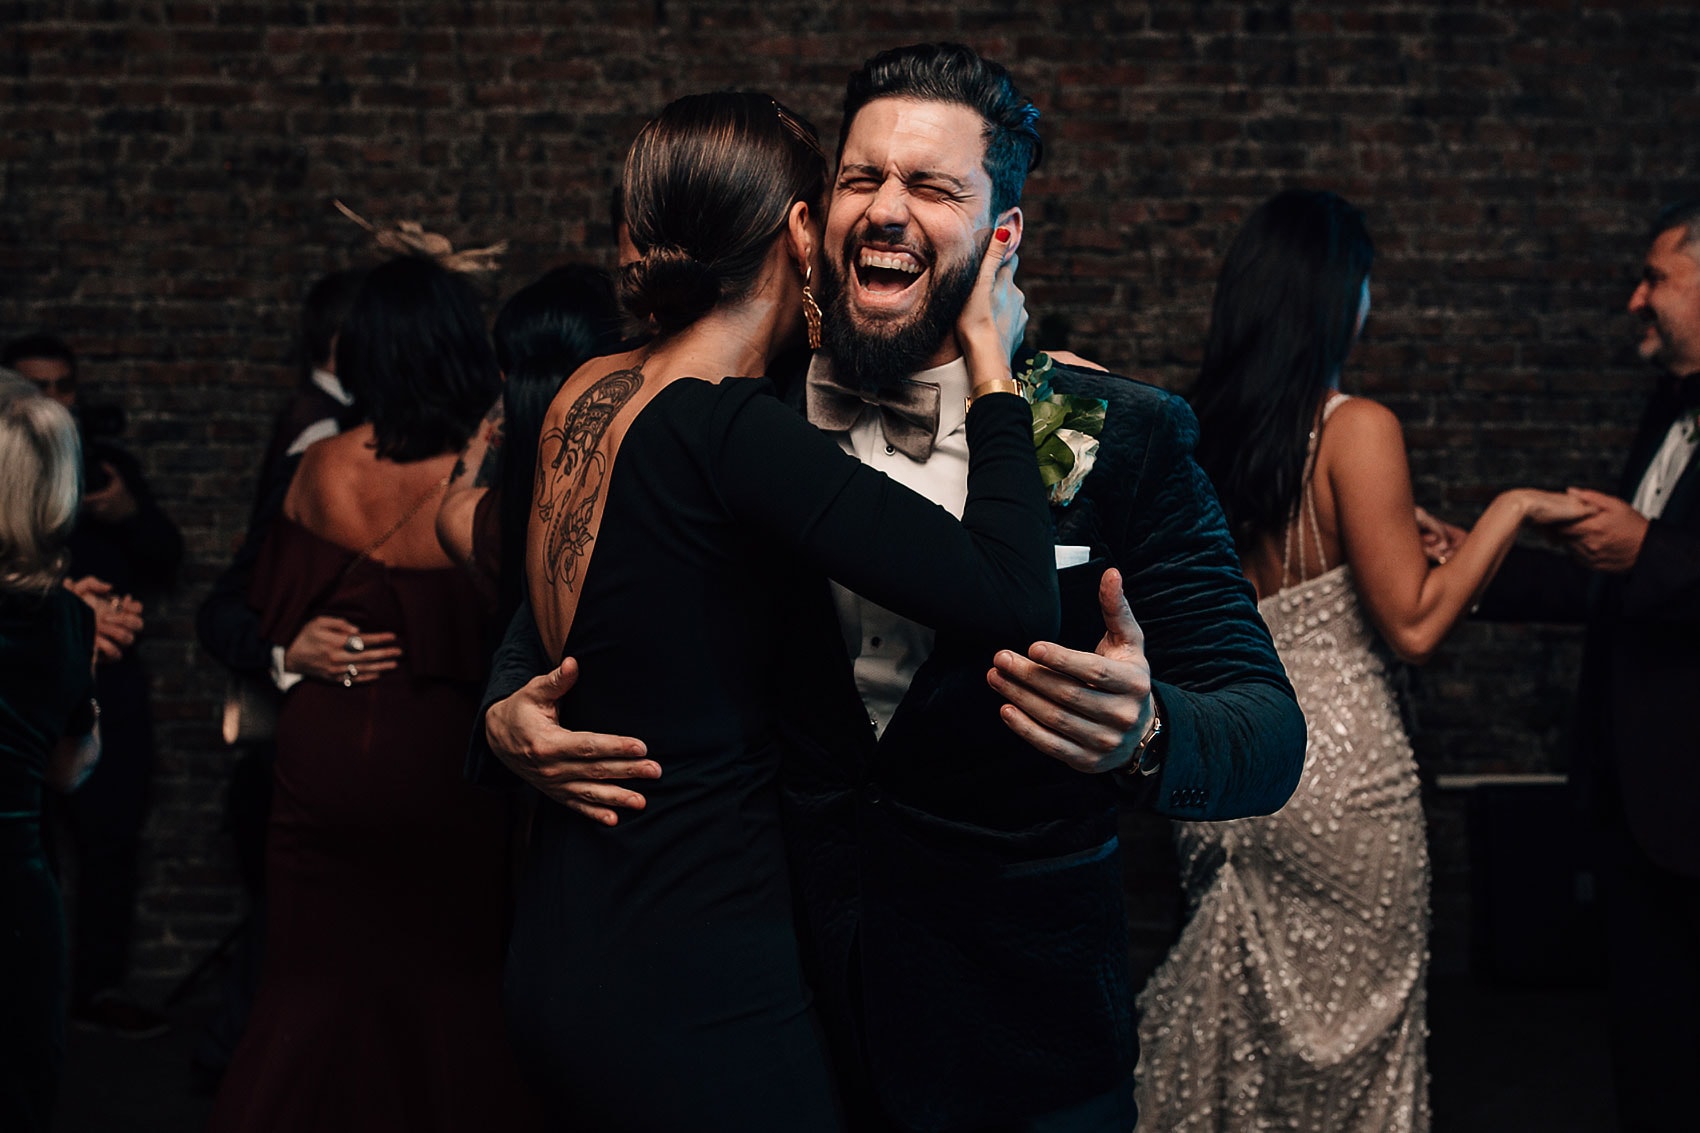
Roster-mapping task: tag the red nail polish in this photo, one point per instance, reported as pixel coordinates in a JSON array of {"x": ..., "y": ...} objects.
[{"x": 1002, "y": 234}]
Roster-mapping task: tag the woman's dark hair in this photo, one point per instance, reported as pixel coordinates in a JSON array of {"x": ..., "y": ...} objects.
[
  {"x": 1284, "y": 319},
  {"x": 709, "y": 185},
  {"x": 543, "y": 333},
  {"x": 567, "y": 311},
  {"x": 322, "y": 312},
  {"x": 414, "y": 353}
]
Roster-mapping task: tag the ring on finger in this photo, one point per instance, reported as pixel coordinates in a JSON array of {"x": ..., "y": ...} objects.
[
  {"x": 347, "y": 681},
  {"x": 352, "y": 671},
  {"x": 355, "y": 643}
]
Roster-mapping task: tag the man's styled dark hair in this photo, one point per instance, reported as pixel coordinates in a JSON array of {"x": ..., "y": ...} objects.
[
  {"x": 414, "y": 353},
  {"x": 950, "y": 72},
  {"x": 709, "y": 186},
  {"x": 322, "y": 312},
  {"x": 38, "y": 346},
  {"x": 1284, "y": 318},
  {"x": 1684, "y": 215}
]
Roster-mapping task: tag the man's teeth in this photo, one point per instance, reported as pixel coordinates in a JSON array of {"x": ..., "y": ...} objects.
[{"x": 890, "y": 263}]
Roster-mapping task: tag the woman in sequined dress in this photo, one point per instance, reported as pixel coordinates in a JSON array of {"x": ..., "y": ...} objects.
[{"x": 1294, "y": 998}]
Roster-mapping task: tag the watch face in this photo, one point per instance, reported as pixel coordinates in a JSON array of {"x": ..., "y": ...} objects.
[{"x": 1148, "y": 756}]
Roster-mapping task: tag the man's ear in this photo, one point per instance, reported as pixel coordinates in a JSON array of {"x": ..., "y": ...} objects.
[{"x": 1012, "y": 220}]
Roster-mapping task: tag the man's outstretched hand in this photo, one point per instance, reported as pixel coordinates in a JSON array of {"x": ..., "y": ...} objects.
[
  {"x": 1088, "y": 710},
  {"x": 572, "y": 768}
]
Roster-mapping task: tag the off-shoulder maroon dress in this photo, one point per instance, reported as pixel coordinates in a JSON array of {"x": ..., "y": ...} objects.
[{"x": 380, "y": 1007}]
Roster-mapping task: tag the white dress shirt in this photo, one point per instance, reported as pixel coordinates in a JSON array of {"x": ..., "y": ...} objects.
[
  {"x": 1667, "y": 467},
  {"x": 325, "y": 427},
  {"x": 886, "y": 650}
]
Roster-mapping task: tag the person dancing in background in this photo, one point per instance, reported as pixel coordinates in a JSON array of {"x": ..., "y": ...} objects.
[
  {"x": 48, "y": 737},
  {"x": 379, "y": 1005},
  {"x": 1294, "y": 997},
  {"x": 544, "y": 332},
  {"x": 124, "y": 549}
]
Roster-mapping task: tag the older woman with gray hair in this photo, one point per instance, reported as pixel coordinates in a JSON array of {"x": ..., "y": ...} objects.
[{"x": 48, "y": 737}]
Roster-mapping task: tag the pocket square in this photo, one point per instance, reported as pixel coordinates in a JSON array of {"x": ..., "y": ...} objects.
[{"x": 1072, "y": 556}]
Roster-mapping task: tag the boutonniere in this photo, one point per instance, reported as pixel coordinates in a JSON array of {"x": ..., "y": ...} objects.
[{"x": 1065, "y": 430}]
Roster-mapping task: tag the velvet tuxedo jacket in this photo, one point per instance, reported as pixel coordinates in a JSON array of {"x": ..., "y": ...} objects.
[
  {"x": 1637, "y": 757},
  {"x": 959, "y": 895}
]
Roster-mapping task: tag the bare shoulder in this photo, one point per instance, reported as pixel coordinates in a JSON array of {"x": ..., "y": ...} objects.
[
  {"x": 332, "y": 473},
  {"x": 1360, "y": 428},
  {"x": 585, "y": 376},
  {"x": 1361, "y": 414}
]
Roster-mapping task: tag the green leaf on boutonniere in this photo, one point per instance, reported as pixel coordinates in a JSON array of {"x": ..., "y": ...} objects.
[
  {"x": 1065, "y": 430},
  {"x": 1048, "y": 417},
  {"x": 1056, "y": 461}
]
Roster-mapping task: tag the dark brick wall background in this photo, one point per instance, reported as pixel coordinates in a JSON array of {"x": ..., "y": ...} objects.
[{"x": 168, "y": 171}]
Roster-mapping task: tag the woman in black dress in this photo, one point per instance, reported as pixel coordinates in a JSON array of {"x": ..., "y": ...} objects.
[
  {"x": 683, "y": 507},
  {"x": 47, "y": 735}
]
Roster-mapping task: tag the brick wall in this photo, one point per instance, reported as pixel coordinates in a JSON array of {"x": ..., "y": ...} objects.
[{"x": 169, "y": 166}]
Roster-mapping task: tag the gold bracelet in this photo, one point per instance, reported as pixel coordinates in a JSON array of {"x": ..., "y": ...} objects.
[{"x": 996, "y": 385}]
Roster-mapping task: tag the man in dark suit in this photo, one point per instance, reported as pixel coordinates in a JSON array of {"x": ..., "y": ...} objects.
[
  {"x": 961, "y": 894},
  {"x": 1634, "y": 578}
]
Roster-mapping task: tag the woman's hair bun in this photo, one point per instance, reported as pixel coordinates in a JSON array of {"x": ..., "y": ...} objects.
[{"x": 670, "y": 286}]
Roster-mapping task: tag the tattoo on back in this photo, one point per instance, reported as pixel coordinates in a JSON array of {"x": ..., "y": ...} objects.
[
  {"x": 494, "y": 430},
  {"x": 571, "y": 471}
]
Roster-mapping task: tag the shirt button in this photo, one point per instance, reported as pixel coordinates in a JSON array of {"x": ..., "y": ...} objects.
[
  {"x": 874, "y": 641},
  {"x": 889, "y": 449}
]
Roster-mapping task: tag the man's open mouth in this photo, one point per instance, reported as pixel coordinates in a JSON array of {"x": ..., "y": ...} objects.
[{"x": 887, "y": 271}]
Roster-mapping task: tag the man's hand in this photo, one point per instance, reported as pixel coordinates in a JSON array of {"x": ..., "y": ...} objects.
[
  {"x": 321, "y": 650},
  {"x": 1088, "y": 710},
  {"x": 113, "y": 503},
  {"x": 1610, "y": 539},
  {"x": 117, "y": 618},
  {"x": 568, "y": 767},
  {"x": 1441, "y": 540}
]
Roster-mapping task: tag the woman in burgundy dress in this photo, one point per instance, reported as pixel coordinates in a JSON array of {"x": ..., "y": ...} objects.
[{"x": 379, "y": 1006}]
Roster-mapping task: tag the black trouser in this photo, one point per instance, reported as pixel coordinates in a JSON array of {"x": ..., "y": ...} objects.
[
  {"x": 32, "y": 980},
  {"x": 104, "y": 819},
  {"x": 1653, "y": 976},
  {"x": 248, "y": 813}
]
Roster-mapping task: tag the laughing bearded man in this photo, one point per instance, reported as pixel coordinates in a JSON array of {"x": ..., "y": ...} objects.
[{"x": 952, "y": 815}]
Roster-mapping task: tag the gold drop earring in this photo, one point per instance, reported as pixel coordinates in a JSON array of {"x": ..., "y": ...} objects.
[{"x": 811, "y": 309}]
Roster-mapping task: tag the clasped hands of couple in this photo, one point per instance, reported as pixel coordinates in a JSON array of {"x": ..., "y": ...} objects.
[{"x": 1601, "y": 531}]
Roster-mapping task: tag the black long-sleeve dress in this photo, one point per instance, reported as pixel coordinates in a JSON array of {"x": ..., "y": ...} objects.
[
  {"x": 46, "y": 644},
  {"x": 653, "y": 979}
]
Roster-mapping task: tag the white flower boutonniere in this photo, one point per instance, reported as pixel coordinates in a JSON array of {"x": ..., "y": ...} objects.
[{"x": 1065, "y": 430}]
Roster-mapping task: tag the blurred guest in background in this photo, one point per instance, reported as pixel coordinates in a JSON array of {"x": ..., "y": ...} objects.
[
  {"x": 542, "y": 334},
  {"x": 47, "y": 735},
  {"x": 386, "y": 875},
  {"x": 124, "y": 549},
  {"x": 1295, "y": 997},
  {"x": 320, "y": 406},
  {"x": 1633, "y": 576}
]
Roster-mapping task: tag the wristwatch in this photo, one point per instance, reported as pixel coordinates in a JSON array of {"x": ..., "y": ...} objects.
[{"x": 1148, "y": 756}]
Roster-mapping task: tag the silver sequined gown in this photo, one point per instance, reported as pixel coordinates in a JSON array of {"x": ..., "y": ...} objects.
[{"x": 1295, "y": 997}]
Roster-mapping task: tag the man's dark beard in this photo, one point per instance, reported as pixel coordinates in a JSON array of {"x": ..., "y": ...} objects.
[{"x": 879, "y": 360}]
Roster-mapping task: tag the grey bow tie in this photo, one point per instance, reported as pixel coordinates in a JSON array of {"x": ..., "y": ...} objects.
[{"x": 909, "y": 411}]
